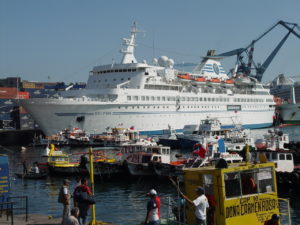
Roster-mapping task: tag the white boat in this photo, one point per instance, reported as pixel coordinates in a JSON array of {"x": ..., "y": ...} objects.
[
  {"x": 273, "y": 149},
  {"x": 151, "y": 97},
  {"x": 139, "y": 158},
  {"x": 210, "y": 130},
  {"x": 116, "y": 137},
  {"x": 212, "y": 153}
]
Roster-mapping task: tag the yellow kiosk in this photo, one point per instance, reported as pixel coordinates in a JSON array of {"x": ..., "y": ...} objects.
[{"x": 240, "y": 193}]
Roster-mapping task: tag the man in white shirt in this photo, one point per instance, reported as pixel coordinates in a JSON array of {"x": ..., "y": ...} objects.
[
  {"x": 201, "y": 204},
  {"x": 36, "y": 169},
  {"x": 64, "y": 197}
]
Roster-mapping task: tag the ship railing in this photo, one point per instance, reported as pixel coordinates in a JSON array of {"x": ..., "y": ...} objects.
[{"x": 284, "y": 211}]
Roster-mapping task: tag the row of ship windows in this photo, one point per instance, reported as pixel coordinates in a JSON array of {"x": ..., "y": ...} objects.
[
  {"x": 116, "y": 71},
  {"x": 115, "y": 79},
  {"x": 181, "y": 107},
  {"x": 158, "y": 98}
]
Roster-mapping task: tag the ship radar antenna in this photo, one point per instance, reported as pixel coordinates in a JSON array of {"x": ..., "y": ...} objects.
[{"x": 128, "y": 46}]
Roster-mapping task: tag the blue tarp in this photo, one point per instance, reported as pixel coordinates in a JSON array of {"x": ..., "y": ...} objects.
[{"x": 221, "y": 144}]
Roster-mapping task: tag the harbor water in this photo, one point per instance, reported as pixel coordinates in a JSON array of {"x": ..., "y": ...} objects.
[{"x": 120, "y": 201}]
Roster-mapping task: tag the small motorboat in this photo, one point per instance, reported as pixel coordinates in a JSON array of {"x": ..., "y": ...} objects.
[{"x": 32, "y": 175}]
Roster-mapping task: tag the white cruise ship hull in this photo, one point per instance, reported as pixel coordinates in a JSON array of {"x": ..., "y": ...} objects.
[{"x": 54, "y": 115}]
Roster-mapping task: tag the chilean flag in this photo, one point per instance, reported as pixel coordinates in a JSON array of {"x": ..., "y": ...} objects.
[{"x": 200, "y": 150}]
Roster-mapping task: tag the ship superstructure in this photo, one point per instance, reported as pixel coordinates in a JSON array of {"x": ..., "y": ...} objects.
[{"x": 153, "y": 97}]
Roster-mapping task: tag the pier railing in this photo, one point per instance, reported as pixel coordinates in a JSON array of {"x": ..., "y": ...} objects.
[
  {"x": 14, "y": 205},
  {"x": 7, "y": 207}
]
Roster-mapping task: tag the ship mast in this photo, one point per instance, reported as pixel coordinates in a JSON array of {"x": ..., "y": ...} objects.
[{"x": 129, "y": 44}]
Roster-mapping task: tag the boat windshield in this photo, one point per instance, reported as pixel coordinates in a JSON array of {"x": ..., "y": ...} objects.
[{"x": 249, "y": 182}]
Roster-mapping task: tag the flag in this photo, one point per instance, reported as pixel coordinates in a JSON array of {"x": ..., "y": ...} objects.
[{"x": 200, "y": 150}]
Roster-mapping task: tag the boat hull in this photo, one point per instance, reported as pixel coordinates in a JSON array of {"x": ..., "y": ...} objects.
[
  {"x": 96, "y": 117},
  {"x": 57, "y": 170},
  {"x": 290, "y": 113},
  {"x": 139, "y": 169},
  {"x": 33, "y": 176}
]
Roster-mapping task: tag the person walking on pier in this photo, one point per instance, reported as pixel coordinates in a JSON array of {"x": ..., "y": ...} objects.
[
  {"x": 201, "y": 204},
  {"x": 83, "y": 205},
  {"x": 64, "y": 197},
  {"x": 153, "y": 209},
  {"x": 73, "y": 218}
]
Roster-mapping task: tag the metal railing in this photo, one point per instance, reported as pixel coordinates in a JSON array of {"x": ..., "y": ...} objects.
[
  {"x": 284, "y": 211},
  {"x": 8, "y": 208},
  {"x": 13, "y": 204}
]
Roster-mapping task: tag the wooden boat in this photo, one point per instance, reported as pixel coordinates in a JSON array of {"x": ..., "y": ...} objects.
[
  {"x": 32, "y": 175},
  {"x": 115, "y": 137},
  {"x": 139, "y": 158}
]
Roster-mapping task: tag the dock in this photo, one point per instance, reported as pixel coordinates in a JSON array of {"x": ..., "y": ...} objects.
[
  {"x": 32, "y": 219},
  {"x": 37, "y": 219}
]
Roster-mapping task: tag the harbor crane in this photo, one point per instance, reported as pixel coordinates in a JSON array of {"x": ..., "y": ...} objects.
[{"x": 245, "y": 68}]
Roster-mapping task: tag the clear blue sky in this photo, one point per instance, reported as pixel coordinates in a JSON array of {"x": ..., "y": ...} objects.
[{"x": 64, "y": 39}]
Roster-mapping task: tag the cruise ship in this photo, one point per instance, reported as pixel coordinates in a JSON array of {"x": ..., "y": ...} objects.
[{"x": 153, "y": 97}]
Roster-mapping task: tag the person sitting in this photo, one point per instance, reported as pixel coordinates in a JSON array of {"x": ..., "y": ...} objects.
[
  {"x": 35, "y": 169},
  {"x": 73, "y": 218},
  {"x": 273, "y": 221}
]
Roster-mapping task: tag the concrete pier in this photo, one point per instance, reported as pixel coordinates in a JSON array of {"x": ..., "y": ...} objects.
[
  {"x": 32, "y": 219},
  {"x": 36, "y": 219}
]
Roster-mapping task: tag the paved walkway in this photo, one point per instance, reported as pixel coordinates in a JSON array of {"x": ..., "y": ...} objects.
[{"x": 34, "y": 219}]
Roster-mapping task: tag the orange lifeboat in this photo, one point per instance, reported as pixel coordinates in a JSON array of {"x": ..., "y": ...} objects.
[
  {"x": 185, "y": 76},
  {"x": 199, "y": 79},
  {"x": 229, "y": 81},
  {"x": 215, "y": 80}
]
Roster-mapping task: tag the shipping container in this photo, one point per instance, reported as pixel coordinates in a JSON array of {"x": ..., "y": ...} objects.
[
  {"x": 8, "y": 93},
  {"x": 27, "y": 84},
  {"x": 23, "y": 95}
]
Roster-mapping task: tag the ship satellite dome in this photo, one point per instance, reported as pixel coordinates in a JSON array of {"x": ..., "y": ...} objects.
[
  {"x": 162, "y": 60},
  {"x": 155, "y": 61},
  {"x": 170, "y": 63}
]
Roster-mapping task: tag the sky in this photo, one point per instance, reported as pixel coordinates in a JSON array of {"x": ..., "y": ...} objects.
[{"x": 62, "y": 40}]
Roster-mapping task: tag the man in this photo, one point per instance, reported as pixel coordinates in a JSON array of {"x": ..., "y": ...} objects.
[
  {"x": 201, "y": 204},
  {"x": 72, "y": 219},
  {"x": 153, "y": 209},
  {"x": 273, "y": 221},
  {"x": 83, "y": 206},
  {"x": 35, "y": 168},
  {"x": 25, "y": 170},
  {"x": 64, "y": 198}
]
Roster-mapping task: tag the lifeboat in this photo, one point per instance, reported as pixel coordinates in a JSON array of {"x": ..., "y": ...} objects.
[
  {"x": 199, "y": 79},
  {"x": 215, "y": 80},
  {"x": 184, "y": 76},
  {"x": 229, "y": 81}
]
